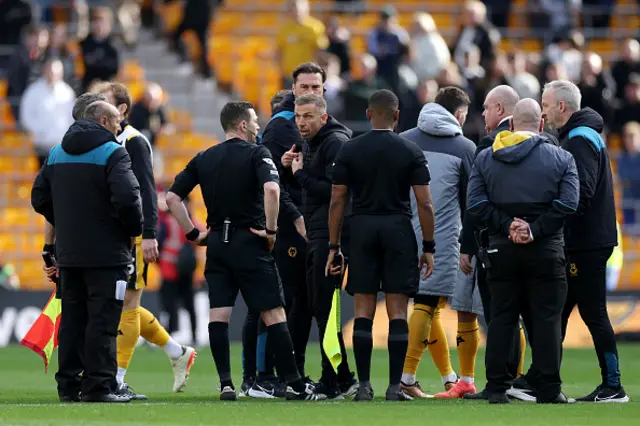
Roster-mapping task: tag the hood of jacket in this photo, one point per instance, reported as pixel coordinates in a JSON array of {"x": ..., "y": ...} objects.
[
  {"x": 332, "y": 126},
  {"x": 512, "y": 148},
  {"x": 585, "y": 117},
  {"x": 437, "y": 121},
  {"x": 288, "y": 104},
  {"x": 85, "y": 135}
]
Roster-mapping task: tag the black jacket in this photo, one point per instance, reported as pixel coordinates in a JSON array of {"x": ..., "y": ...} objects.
[
  {"x": 87, "y": 190},
  {"x": 315, "y": 177},
  {"x": 468, "y": 243},
  {"x": 101, "y": 60},
  {"x": 595, "y": 224},
  {"x": 522, "y": 176},
  {"x": 279, "y": 135}
]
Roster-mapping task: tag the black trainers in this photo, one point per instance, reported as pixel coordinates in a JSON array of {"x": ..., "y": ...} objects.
[
  {"x": 560, "y": 399},
  {"x": 331, "y": 390},
  {"x": 522, "y": 390},
  {"x": 498, "y": 398},
  {"x": 228, "y": 393},
  {"x": 110, "y": 397},
  {"x": 247, "y": 382},
  {"x": 125, "y": 390},
  {"x": 308, "y": 394},
  {"x": 307, "y": 381},
  {"x": 348, "y": 387},
  {"x": 365, "y": 392},
  {"x": 603, "y": 394},
  {"x": 482, "y": 395},
  {"x": 396, "y": 393},
  {"x": 267, "y": 389},
  {"x": 75, "y": 397}
]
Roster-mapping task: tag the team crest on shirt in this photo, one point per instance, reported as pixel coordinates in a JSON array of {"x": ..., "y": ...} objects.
[
  {"x": 573, "y": 270},
  {"x": 293, "y": 252},
  {"x": 269, "y": 161}
]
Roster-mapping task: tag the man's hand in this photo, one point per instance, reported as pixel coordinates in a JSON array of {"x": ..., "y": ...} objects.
[
  {"x": 271, "y": 239},
  {"x": 520, "y": 232},
  {"x": 302, "y": 230},
  {"x": 50, "y": 272},
  {"x": 297, "y": 163},
  {"x": 331, "y": 268},
  {"x": 150, "y": 250},
  {"x": 426, "y": 259},
  {"x": 465, "y": 264},
  {"x": 288, "y": 157},
  {"x": 202, "y": 238}
]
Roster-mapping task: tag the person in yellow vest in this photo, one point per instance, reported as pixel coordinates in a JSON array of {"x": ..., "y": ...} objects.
[{"x": 299, "y": 39}]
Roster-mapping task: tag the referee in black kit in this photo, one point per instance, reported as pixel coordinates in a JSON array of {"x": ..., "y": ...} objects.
[
  {"x": 522, "y": 189},
  {"x": 380, "y": 168},
  {"x": 241, "y": 191}
]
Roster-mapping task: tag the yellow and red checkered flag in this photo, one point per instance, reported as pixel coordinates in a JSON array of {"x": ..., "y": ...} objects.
[{"x": 42, "y": 337}]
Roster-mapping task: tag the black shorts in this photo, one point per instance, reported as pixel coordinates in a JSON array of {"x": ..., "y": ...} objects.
[
  {"x": 383, "y": 255},
  {"x": 290, "y": 253},
  {"x": 244, "y": 264}
]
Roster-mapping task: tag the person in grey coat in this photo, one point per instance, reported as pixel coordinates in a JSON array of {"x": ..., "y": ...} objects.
[{"x": 450, "y": 157}]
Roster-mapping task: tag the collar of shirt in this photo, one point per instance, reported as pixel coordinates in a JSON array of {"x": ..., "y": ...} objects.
[
  {"x": 526, "y": 132},
  {"x": 505, "y": 119}
]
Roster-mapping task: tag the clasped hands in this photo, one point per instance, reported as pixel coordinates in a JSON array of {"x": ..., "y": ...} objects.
[{"x": 520, "y": 232}]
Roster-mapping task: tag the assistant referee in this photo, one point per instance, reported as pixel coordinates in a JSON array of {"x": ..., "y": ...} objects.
[
  {"x": 380, "y": 168},
  {"x": 240, "y": 187}
]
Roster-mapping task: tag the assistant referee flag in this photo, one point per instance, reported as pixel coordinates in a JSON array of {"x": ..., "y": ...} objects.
[{"x": 42, "y": 337}]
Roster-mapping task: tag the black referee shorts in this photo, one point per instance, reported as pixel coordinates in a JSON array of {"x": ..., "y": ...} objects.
[
  {"x": 383, "y": 255},
  {"x": 244, "y": 264}
]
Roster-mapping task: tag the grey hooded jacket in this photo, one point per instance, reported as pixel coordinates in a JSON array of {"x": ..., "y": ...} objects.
[{"x": 450, "y": 158}]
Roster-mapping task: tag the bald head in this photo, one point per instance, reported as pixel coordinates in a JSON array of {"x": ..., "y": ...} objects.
[
  {"x": 498, "y": 105},
  {"x": 527, "y": 116},
  {"x": 104, "y": 114}
]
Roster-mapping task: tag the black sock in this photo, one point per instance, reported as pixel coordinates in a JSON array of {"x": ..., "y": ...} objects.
[
  {"x": 397, "y": 344},
  {"x": 219, "y": 343},
  {"x": 344, "y": 372},
  {"x": 362, "y": 347},
  {"x": 249, "y": 345},
  {"x": 284, "y": 355}
]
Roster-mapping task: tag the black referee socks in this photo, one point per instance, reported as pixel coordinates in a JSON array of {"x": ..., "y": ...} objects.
[
  {"x": 219, "y": 343},
  {"x": 278, "y": 335},
  {"x": 362, "y": 347},
  {"x": 397, "y": 343}
]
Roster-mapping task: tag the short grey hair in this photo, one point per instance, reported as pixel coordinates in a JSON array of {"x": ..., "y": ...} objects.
[
  {"x": 311, "y": 99},
  {"x": 83, "y": 101},
  {"x": 566, "y": 91},
  {"x": 99, "y": 109}
]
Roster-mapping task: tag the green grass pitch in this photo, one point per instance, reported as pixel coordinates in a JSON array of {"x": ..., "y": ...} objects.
[{"x": 28, "y": 397}]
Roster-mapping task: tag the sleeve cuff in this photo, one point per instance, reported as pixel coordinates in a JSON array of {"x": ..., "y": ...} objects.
[{"x": 149, "y": 234}]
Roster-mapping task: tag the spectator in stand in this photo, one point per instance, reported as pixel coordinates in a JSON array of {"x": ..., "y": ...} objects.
[
  {"x": 597, "y": 13},
  {"x": 334, "y": 84},
  {"x": 25, "y": 66},
  {"x": 59, "y": 49},
  {"x": 596, "y": 86},
  {"x": 630, "y": 107},
  {"x": 429, "y": 52},
  {"x": 299, "y": 40},
  {"x": 425, "y": 93},
  {"x": 628, "y": 64},
  {"x": 524, "y": 82},
  {"x": 100, "y": 57},
  {"x": 629, "y": 174},
  {"x": 567, "y": 50},
  {"x": 553, "y": 17},
  {"x": 128, "y": 15},
  {"x": 45, "y": 109},
  {"x": 339, "y": 38},
  {"x": 8, "y": 277},
  {"x": 499, "y": 12},
  {"x": 15, "y": 16},
  {"x": 555, "y": 71},
  {"x": 388, "y": 42},
  {"x": 149, "y": 116},
  {"x": 476, "y": 29}
]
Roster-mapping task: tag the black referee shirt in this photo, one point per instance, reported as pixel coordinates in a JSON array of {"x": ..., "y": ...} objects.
[
  {"x": 231, "y": 176},
  {"x": 380, "y": 167}
]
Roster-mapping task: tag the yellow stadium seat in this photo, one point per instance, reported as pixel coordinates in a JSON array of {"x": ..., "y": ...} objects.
[
  {"x": 227, "y": 22},
  {"x": 3, "y": 88}
]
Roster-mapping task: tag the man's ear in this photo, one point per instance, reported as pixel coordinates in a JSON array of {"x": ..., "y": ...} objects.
[
  {"x": 396, "y": 115},
  {"x": 541, "y": 125},
  {"x": 324, "y": 118},
  {"x": 511, "y": 124},
  {"x": 122, "y": 108},
  {"x": 368, "y": 114}
]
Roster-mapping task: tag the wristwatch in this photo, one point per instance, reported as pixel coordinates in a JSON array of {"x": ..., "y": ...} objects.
[{"x": 429, "y": 246}]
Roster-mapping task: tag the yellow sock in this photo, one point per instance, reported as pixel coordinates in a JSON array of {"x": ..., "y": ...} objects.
[
  {"x": 128, "y": 334},
  {"x": 419, "y": 329},
  {"x": 523, "y": 348},
  {"x": 439, "y": 346},
  {"x": 468, "y": 341},
  {"x": 151, "y": 329}
]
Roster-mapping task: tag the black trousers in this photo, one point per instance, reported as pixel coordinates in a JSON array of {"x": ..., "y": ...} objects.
[
  {"x": 201, "y": 28},
  {"x": 586, "y": 277},
  {"x": 88, "y": 329},
  {"x": 176, "y": 293},
  {"x": 520, "y": 277},
  {"x": 321, "y": 290}
]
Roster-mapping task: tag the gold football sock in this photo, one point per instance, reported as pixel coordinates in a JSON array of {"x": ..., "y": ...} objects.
[
  {"x": 128, "y": 334},
  {"x": 419, "y": 329},
  {"x": 468, "y": 341},
  {"x": 151, "y": 329},
  {"x": 523, "y": 349},
  {"x": 439, "y": 346}
]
